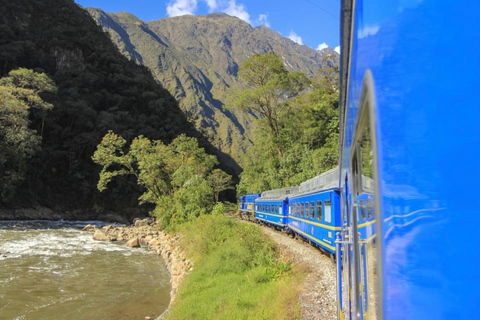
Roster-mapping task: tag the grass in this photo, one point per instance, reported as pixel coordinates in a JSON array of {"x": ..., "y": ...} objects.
[{"x": 237, "y": 274}]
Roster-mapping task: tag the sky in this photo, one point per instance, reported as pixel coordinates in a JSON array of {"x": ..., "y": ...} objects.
[{"x": 314, "y": 23}]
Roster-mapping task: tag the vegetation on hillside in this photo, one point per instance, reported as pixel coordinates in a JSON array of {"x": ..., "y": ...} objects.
[
  {"x": 303, "y": 142},
  {"x": 178, "y": 178},
  {"x": 197, "y": 59},
  {"x": 98, "y": 90},
  {"x": 237, "y": 274},
  {"x": 20, "y": 96}
]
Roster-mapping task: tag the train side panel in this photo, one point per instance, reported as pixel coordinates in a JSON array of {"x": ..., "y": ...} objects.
[
  {"x": 413, "y": 75},
  {"x": 316, "y": 217}
]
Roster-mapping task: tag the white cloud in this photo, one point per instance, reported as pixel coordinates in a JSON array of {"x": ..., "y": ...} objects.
[
  {"x": 263, "y": 20},
  {"x": 322, "y": 46},
  {"x": 212, "y": 5},
  {"x": 181, "y": 7},
  {"x": 231, "y": 7},
  {"x": 295, "y": 37},
  {"x": 368, "y": 31},
  {"x": 337, "y": 49},
  {"x": 237, "y": 10}
]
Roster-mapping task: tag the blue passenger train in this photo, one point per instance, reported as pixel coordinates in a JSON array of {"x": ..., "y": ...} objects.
[
  {"x": 406, "y": 237},
  {"x": 315, "y": 210},
  {"x": 272, "y": 207},
  {"x": 410, "y": 112},
  {"x": 246, "y": 205}
]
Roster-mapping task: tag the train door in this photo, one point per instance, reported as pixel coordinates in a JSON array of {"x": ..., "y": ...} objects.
[{"x": 361, "y": 296}]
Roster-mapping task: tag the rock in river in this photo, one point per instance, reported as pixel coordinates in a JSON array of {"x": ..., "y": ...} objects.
[{"x": 133, "y": 243}]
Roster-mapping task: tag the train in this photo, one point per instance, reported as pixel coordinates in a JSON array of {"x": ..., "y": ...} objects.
[
  {"x": 310, "y": 210},
  {"x": 407, "y": 227}
]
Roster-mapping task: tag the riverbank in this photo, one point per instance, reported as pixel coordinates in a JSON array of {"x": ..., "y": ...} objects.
[
  {"x": 147, "y": 234},
  {"x": 238, "y": 271}
]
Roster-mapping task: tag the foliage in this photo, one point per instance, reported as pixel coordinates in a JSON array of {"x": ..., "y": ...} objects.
[
  {"x": 220, "y": 181},
  {"x": 19, "y": 92},
  {"x": 237, "y": 274},
  {"x": 267, "y": 87},
  {"x": 308, "y": 137},
  {"x": 98, "y": 90},
  {"x": 177, "y": 178}
]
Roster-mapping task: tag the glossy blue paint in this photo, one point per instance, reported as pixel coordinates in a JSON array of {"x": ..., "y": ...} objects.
[
  {"x": 246, "y": 202},
  {"x": 314, "y": 224},
  {"x": 271, "y": 211},
  {"x": 423, "y": 57}
]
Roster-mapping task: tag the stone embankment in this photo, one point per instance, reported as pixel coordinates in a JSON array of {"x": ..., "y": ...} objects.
[{"x": 146, "y": 233}]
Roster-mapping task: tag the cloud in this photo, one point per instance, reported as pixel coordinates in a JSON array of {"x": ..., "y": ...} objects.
[
  {"x": 337, "y": 49},
  {"x": 237, "y": 10},
  {"x": 367, "y": 31},
  {"x": 231, "y": 7},
  {"x": 181, "y": 7},
  {"x": 263, "y": 20},
  {"x": 295, "y": 37},
  {"x": 212, "y": 5},
  {"x": 322, "y": 46}
]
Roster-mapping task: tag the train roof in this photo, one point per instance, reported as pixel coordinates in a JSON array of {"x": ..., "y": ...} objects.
[
  {"x": 330, "y": 180},
  {"x": 278, "y": 194},
  {"x": 327, "y": 180}
]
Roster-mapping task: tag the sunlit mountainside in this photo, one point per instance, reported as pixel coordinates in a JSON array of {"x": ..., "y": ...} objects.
[{"x": 197, "y": 58}]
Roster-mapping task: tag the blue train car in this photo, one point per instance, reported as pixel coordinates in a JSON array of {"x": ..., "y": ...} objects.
[
  {"x": 246, "y": 205},
  {"x": 315, "y": 210},
  {"x": 410, "y": 112},
  {"x": 272, "y": 207}
]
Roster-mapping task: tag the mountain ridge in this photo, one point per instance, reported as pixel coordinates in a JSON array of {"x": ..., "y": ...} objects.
[{"x": 197, "y": 58}]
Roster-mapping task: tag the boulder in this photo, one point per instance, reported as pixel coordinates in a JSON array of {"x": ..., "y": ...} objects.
[
  {"x": 133, "y": 243},
  {"x": 89, "y": 227},
  {"x": 99, "y": 235},
  {"x": 140, "y": 223}
]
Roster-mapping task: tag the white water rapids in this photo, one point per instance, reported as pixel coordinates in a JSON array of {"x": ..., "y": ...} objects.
[{"x": 52, "y": 270}]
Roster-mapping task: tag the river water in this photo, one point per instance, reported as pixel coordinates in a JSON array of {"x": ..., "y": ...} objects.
[{"x": 52, "y": 270}]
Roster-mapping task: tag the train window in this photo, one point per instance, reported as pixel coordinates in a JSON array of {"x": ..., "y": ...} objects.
[
  {"x": 363, "y": 210},
  {"x": 328, "y": 211},
  {"x": 319, "y": 210},
  {"x": 363, "y": 163},
  {"x": 312, "y": 210},
  {"x": 276, "y": 208},
  {"x": 307, "y": 213},
  {"x": 370, "y": 209},
  {"x": 302, "y": 210}
]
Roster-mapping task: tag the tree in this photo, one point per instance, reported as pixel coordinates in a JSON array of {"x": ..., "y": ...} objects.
[
  {"x": 267, "y": 86},
  {"x": 19, "y": 92},
  {"x": 219, "y": 181},
  {"x": 308, "y": 138},
  {"x": 179, "y": 178}
]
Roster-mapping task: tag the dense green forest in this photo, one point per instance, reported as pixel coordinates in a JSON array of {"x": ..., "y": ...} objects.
[
  {"x": 298, "y": 130},
  {"x": 91, "y": 89}
]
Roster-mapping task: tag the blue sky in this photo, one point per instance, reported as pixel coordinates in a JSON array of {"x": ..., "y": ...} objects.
[{"x": 310, "y": 22}]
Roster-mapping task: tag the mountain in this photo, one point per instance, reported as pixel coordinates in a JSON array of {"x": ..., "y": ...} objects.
[
  {"x": 197, "y": 59},
  {"x": 98, "y": 90}
]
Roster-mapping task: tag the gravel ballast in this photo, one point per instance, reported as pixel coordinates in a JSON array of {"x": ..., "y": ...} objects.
[{"x": 318, "y": 296}]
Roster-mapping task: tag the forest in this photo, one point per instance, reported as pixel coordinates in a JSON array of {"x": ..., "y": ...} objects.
[
  {"x": 68, "y": 95},
  {"x": 298, "y": 125},
  {"x": 89, "y": 89}
]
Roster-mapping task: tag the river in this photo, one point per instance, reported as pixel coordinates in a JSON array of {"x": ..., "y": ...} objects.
[{"x": 53, "y": 270}]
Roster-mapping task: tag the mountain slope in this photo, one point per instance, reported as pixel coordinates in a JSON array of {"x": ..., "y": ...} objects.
[
  {"x": 98, "y": 90},
  {"x": 197, "y": 58}
]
